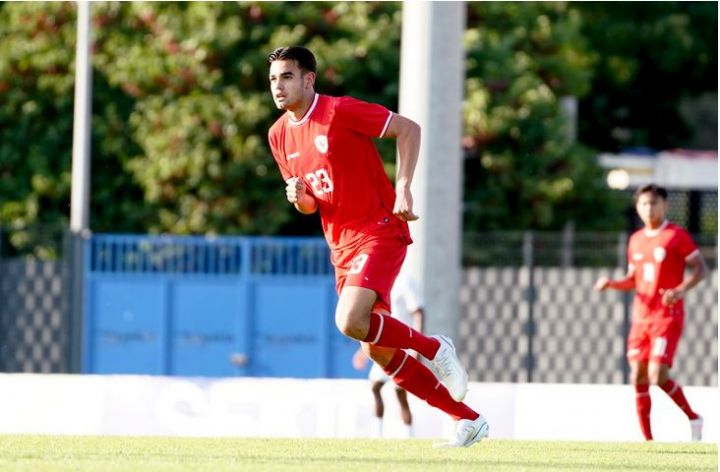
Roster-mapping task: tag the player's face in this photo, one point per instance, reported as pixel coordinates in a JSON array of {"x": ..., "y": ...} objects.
[
  {"x": 651, "y": 209},
  {"x": 288, "y": 85}
]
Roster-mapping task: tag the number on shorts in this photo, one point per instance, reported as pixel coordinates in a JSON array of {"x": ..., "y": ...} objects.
[
  {"x": 659, "y": 347},
  {"x": 358, "y": 263}
]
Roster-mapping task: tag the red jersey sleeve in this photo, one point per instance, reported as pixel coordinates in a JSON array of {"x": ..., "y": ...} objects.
[
  {"x": 684, "y": 243},
  {"x": 369, "y": 119},
  {"x": 278, "y": 154}
]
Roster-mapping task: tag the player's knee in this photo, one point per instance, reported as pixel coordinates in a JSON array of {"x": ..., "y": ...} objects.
[
  {"x": 657, "y": 377},
  {"x": 639, "y": 378},
  {"x": 350, "y": 324}
]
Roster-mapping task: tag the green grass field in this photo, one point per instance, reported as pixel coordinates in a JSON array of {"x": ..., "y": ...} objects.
[{"x": 137, "y": 454}]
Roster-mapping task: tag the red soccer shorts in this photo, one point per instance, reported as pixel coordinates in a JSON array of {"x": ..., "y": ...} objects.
[
  {"x": 373, "y": 263},
  {"x": 655, "y": 340}
]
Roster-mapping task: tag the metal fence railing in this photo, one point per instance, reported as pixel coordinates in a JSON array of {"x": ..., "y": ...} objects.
[
  {"x": 528, "y": 311},
  {"x": 558, "y": 249}
]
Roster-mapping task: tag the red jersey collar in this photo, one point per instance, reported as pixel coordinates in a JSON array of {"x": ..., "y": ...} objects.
[
  {"x": 651, "y": 233},
  {"x": 307, "y": 113}
]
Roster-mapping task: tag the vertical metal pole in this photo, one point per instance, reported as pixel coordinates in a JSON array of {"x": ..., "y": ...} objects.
[
  {"x": 626, "y": 300},
  {"x": 80, "y": 192},
  {"x": 3, "y": 331},
  {"x": 432, "y": 73},
  {"x": 528, "y": 262}
]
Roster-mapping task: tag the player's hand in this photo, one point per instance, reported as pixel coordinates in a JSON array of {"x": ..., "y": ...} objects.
[
  {"x": 403, "y": 205},
  {"x": 295, "y": 189},
  {"x": 359, "y": 360},
  {"x": 601, "y": 284},
  {"x": 671, "y": 296}
]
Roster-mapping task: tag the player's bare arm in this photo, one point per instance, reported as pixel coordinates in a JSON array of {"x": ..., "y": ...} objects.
[
  {"x": 407, "y": 133},
  {"x": 296, "y": 193},
  {"x": 698, "y": 271},
  {"x": 624, "y": 284}
]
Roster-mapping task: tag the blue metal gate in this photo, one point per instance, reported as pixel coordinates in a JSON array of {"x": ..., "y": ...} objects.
[{"x": 197, "y": 306}]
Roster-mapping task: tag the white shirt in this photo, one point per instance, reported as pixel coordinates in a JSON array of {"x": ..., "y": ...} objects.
[{"x": 405, "y": 299}]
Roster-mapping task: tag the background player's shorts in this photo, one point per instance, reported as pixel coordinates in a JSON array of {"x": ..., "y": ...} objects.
[
  {"x": 655, "y": 340},
  {"x": 377, "y": 374},
  {"x": 373, "y": 263}
]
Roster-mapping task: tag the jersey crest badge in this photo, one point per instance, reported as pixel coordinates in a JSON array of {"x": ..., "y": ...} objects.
[
  {"x": 321, "y": 143},
  {"x": 659, "y": 254}
]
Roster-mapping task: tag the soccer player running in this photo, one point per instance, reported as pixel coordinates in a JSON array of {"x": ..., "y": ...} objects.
[
  {"x": 324, "y": 148},
  {"x": 657, "y": 257},
  {"x": 407, "y": 306}
]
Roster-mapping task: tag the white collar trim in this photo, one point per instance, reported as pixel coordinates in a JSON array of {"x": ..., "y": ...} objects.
[
  {"x": 654, "y": 232},
  {"x": 307, "y": 113}
]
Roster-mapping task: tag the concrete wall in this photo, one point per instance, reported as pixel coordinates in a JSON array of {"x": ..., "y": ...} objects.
[{"x": 254, "y": 407}]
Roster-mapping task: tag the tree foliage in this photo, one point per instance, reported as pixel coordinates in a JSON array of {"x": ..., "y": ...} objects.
[
  {"x": 524, "y": 170},
  {"x": 181, "y": 108},
  {"x": 647, "y": 56}
]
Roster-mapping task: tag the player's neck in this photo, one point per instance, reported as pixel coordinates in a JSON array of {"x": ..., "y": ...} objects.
[
  {"x": 653, "y": 227},
  {"x": 298, "y": 112}
]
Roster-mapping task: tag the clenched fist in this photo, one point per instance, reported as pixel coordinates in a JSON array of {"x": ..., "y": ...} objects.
[{"x": 295, "y": 189}]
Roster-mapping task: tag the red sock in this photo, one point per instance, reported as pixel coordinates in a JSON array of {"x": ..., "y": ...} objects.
[
  {"x": 675, "y": 391},
  {"x": 643, "y": 404},
  {"x": 386, "y": 331},
  {"x": 413, "y": 376}
]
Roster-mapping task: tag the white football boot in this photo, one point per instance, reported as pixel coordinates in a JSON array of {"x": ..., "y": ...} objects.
[
  {"x": 696, "y": 427},
  {"x": 450, "y": 372},
  {"x": 467, "y": 433}
]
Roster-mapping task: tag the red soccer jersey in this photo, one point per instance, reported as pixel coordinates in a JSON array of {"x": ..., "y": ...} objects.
[
  {"x": 658, "y": 257},
  {"x": 331, "y": 149}
]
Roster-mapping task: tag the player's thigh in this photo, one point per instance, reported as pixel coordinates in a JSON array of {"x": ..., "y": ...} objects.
[
  {"x": 352, "y": 314},
  {"x": 638, "y": 343}
]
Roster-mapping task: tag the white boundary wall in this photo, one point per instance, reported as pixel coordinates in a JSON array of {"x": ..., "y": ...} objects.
[{"x": 176, "y": 406}]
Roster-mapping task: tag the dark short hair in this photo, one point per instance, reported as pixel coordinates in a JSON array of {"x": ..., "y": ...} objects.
[
  {"x": 652, "y": 188},
  {"x": 303, "y": 56}
]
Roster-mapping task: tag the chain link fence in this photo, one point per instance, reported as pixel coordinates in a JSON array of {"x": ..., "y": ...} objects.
[
  {"x": 529, "y": 313},
  {"x": 34, "y": 300}
]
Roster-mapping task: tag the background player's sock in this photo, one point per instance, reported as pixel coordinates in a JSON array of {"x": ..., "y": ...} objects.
[
  {"x": 643, "y": 404},
  {"x": 386, "y": 331},
  {"x": 413, "y": 376},
  {"x": 675, "y": 391},
  {"x": 377, "y": 427}
]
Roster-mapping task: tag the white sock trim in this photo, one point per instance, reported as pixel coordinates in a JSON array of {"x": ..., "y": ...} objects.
[
  {"x": 380, "y": 328},
  {"x": 405, "y": 356}
]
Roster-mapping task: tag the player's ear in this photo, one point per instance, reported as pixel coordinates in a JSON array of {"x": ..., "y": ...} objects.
[{"x": 309, "y": 79}]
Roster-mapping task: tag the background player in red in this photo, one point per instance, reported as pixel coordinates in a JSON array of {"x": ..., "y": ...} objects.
[
  {"x": 324, "y": 149},
  {"x": 657, "y": 257}
]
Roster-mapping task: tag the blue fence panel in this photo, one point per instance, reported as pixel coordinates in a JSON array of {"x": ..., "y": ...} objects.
[
  {"x": 126, "y": 332},
  {"x": 290, "y": 328},
  {"x": 199, "y": 306},
  {"x": 209, "y": 327}
]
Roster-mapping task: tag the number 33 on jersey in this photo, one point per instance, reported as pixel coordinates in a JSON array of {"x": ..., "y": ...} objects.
[{"x": 320, "y": 182}]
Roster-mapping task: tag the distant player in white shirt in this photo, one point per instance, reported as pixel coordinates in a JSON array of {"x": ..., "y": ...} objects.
[{"x": 407, "y": 306}]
